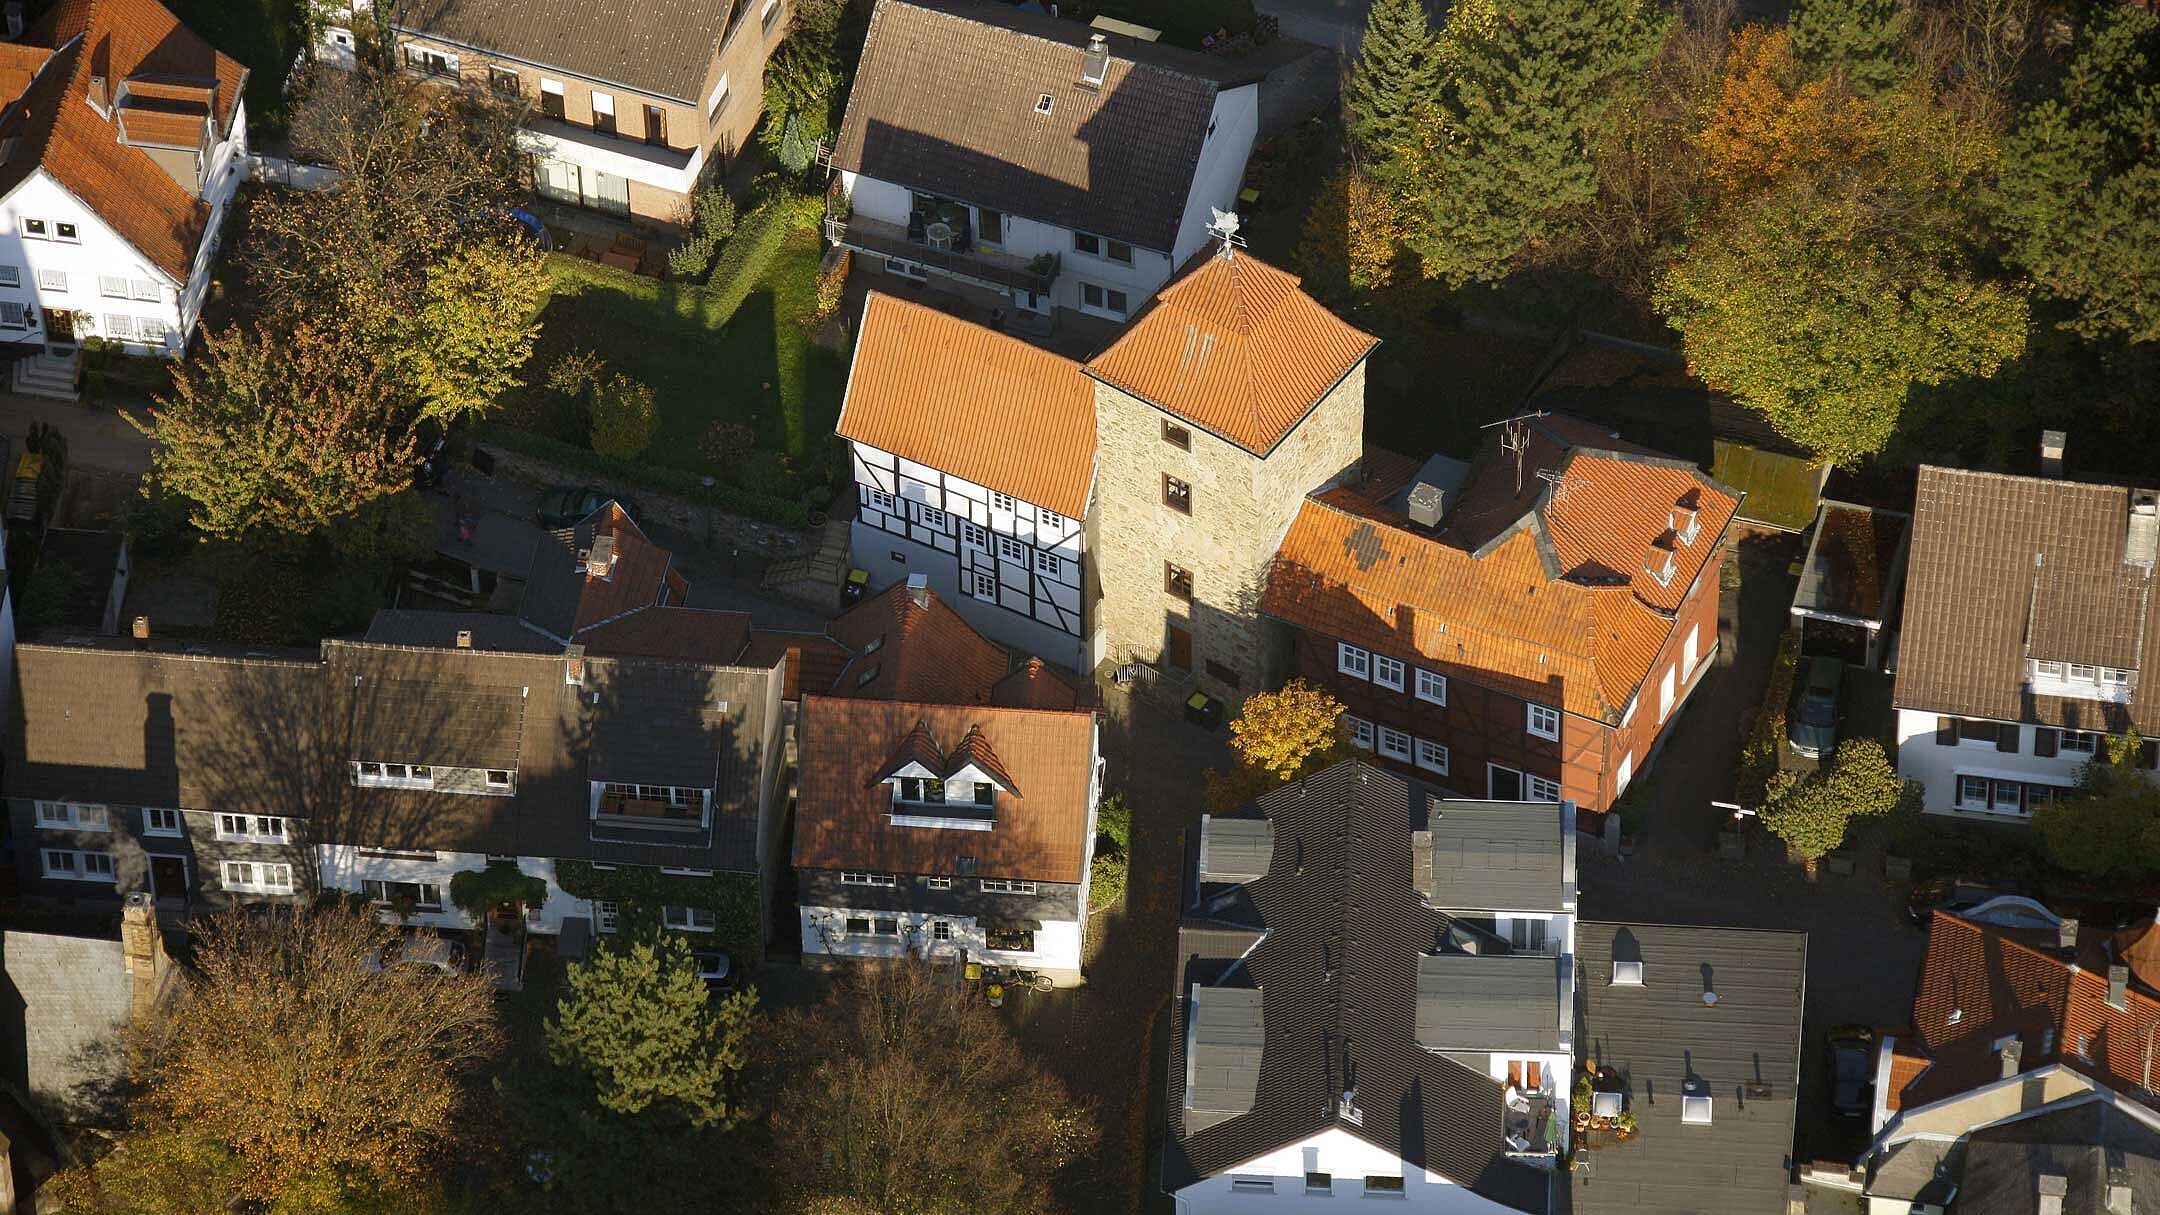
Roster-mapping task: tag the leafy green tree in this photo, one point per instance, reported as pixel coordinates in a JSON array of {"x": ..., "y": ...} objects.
[
  {"x": 1824, "y": 317},
  {"x": 802, "y": 91},
  {"x": 1523, "y": 85},
  {"x": 623, "y": 417},
  {"x": 2111, "y": 831},
  {"x": 2077, "y": 202},
  {"x": 475, "y": 330},
  {"x": 1812, "y": 815},
  {"x": 639, "y": 1029},
  {"x": 391, "y": 531},
  {"x": 1855, "y": 41},
  {"x": 1394, "y": 79}
]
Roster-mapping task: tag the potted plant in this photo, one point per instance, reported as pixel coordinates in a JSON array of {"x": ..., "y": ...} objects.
[
  {"x": 1624, "y": 1126},
  {"x": 1579, "y": 1102}
]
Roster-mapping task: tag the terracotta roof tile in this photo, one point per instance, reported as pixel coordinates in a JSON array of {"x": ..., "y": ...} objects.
[
  {"x": 916, "y": 652},
  {"x": 687, "y": 633},
  {"x": 843, "y": 821},
  {"x": 2003, "y": 569},
  {"x": 1235, "y": 348},
  {"x": 19, "y": 65},
  {"x": 971, "y": 402},
  {"x": 1555, "y": 607},
  {"x": 63, "y": 134},
  {"x": 814, "y": 659},
  {"x": 1033, "y": 685},
  {"x": 161, "y": 128},
  {"x": 663, "y": 47},
  {"x": 945, "y": 100},
  {"x": 564, "y": 598}
]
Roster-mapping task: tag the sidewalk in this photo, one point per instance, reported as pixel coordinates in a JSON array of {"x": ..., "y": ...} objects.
[{"x": 97, "y": 437}]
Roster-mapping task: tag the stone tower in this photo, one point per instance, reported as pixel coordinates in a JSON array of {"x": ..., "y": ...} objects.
[{"x": 1231, "y": 398}]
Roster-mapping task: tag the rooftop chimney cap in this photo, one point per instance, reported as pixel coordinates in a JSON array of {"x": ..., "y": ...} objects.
[
  {"x": 2118, "y": 985},
  {"x": 1709, "y": 998},
  {"x": 1096, "y": 65},
  {"x": 2066, "y": 933},
  {"x": 142, "y": 628},
  {"x": 2013, "y": 1054},
  {"x": 464, "y": 639},
  {"x": 918, "y": 589},
  {"x": 2052, "y": 443}
]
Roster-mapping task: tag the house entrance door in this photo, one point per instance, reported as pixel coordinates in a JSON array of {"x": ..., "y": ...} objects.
[{"x": 59, "y": 327}]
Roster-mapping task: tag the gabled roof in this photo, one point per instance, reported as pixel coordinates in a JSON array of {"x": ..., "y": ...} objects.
[
  {"x": 1540, "y": 592},
  {"x": 662, "y": 47},
  {"x": 905, "y": 650},
  {"x": 565, "y": 600},
  {"x": 121, "y": 40},
  {"x": 1033, "y": 685},
  {"x": 972, "y": 402},
  {"x": 2004, "y": 569},
  {"x": 1661, "y": 1034},
  {"x": 946, "y": 100},
  {"x": 1332, "y": 936},
  {"x": 439, "y": 723},
  {"x": 843, "y": 819},
  {"x": 1235, "y": 348}
]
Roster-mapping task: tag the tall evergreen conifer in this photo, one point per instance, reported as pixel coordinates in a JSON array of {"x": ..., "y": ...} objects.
[{"x": 1396, "y": 74}]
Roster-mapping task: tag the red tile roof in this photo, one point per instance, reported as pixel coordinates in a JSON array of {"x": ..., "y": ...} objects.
[
  {"x": 1545, "y": 597},
  {"x": 917, "y": 652},
  {"x": 814, "y": 660},
  {"x": 1033, "y": 685},
  {"x": 843, "y": 820},
  {"x": 80, "y": 148},
  {"x": 686, "y": 633},
  {"x": 1235, "y": 348},
  {"x": 1981, "y": 984},
  {"x": 972, "y": 402}
]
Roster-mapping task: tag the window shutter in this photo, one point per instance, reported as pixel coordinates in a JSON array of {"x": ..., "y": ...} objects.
[
  {"x": 2044, "y": 741},
  {"x": 2149, "y": 754},
  {"x": 1946, "y": 731},
  {"x": 2006, "y": 737}
]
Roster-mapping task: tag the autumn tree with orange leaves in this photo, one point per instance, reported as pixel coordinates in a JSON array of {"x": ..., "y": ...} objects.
[{"x": 1278, "y": 737}]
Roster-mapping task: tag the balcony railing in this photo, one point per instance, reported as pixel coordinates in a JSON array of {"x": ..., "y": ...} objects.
[{"x": 984, "y": 266}]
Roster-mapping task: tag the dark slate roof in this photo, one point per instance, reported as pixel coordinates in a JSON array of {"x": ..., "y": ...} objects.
[
  {"x": 2003, "y": 1164},
  {"x": 662, "y": 47},
  {"x": 1494, "y": 856},
  {"x": 945, "y": 101},
  {"x": 454, "y": 725},
  {"x": 1489, "y": 1002},
  {"x": 662, "y": 725},
  {"x": 439, "y": 630},
  {"x": 1337, "y": 972},
  {"x": 2005, "y": 569},
  {"x": 1222, "y": 1061},
  {"x": 1660, "y": 1035},
  {"x": 1235, "y": 849}
]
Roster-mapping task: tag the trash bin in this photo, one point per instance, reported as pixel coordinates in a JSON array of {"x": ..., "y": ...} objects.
[
  {"x": 858, "y": 581},
  {"x": 1203, "y": 710}
]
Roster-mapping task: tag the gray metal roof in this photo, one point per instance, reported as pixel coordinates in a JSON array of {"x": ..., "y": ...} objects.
[
  {"x": 2088, "y": 1145},
  {"x": 1228, "y": 1032},
  {"x": 1235, "y": 849},
  {"x": 1662, "y": 1036},
  {"x": 1488, "y": 1002},
  {"x": 1492, "y": 856}
]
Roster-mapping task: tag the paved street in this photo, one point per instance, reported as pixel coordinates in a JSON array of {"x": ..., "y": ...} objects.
[{"x": 97, "y": 436}]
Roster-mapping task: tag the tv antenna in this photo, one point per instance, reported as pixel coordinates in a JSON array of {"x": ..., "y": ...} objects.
[
  {"x": 1561, "y": 483},
  {"x": 1224, "y": 227},
  {"x": 1515, "y": 440}
]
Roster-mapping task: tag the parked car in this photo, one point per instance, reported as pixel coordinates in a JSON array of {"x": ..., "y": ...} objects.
[
  {"x": 567, "y": 505},
  {"x": 1849, "y": 1062},
  {"x": 420, "y": 951},
  {"x": 1812, "y": 730}
]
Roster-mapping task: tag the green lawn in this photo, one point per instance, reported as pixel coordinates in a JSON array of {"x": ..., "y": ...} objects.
[
  {"x": 1781, "y": 489},
  {"x": 733, "y": 350},
  {"x": 264, "y": 35}
]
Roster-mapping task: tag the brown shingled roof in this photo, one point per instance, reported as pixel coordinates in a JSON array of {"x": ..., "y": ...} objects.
[
  {"x": 844, "y": 822},
  {"x": 916, "y": 652},
  {"x": 969, "y": 401},
  {"x": 2004, "y": 569},
  {"x": 1235, "y": 348}
]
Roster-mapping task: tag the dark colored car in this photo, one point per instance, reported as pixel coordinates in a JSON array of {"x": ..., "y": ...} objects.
[
  {"x": 1813, "y": 727},
  {"x": 567, "y": 505},
  {"x": 1849, "y": 1062}
]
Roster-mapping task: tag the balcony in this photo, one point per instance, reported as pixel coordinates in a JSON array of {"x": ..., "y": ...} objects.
[
  {"x": 984, "y": 267},
  {"x": 1533, "y": 1125}
]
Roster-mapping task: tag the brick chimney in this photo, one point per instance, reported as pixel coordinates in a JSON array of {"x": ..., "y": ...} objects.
[
  {"x": 142, "y": 946},
  {"x": 2118, "y": 997},
  {"x": 2013, "y": 1053},
  {"x": 918, "y": 589},
  {"x": 574, "y": 665}
]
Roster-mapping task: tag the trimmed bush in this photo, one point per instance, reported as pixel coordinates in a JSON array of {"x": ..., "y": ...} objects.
[
  {"x": 623, "y": 418},
  {"x": 688, "y": 261}
]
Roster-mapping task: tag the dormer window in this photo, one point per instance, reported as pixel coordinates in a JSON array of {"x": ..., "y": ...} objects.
[
  {"x": 2088, "y": 681},
  {"x": 1044, "y": 103},
  {"x": 935, "y": 788},
  {"x": 920, "y": 790},
  {"x": 1686, "y": 523},
  {"x": 1658, "y": 563}
]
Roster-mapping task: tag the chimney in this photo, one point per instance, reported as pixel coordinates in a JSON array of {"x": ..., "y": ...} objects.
[
  {"x": 1427, "y": 503},
  {"x": 142, "y": 946},
  {"x": 14, "y": 10},
  {"x": 142, "y": 631},
  {"x": 2118, "y": 1191},
  {"x": 2013, "y": 1053},
  {"x": 2053, "y": 1187},
  {"x": 2118, "y": 996},
  {"x": 2066, "y": 935},
  {"x": 464, "y": 639},
  {"x": 918, "y": 589},
  {"x": 1097, "y": 63},
  {"x": 100, "y": 94},
  {"x": 573, "y": 671},
  {"x": 600, "y": 558},
  {"x": 2051, "y": 452}
]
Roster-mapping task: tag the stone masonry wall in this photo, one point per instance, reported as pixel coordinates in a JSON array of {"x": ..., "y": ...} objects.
[{"x": 1241, "y": 506}]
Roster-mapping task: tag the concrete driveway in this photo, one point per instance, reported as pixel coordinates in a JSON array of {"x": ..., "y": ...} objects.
[{"x": 97, "y": 437}]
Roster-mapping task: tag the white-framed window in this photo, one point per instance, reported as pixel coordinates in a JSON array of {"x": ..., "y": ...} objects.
[
  {"x": 1668, "y": 692},
  {"x": 2079, "y": 670},
  {"x": 258, "y": 877},
  {"x": 689, "y": 919},
  {"x": 435, "y": 63},
  {"x": 1050, "y": 519},
  {"x": 1432, "y": 687},
  {"x": 2116, "y": 677},
  {"x": 113, "y": 286},
  {"x": 679, "y": 797},
  {"x": 882, "y": 501},
  {"x": 1542, "y": 790},
  {"x": 52, "y": 280},
  {"x": 766, "y": 13},
  {"x": 425, "y": 896},
  {"x": 1351, "y": 660},
  {"x": 983, "y": 585},
  {"x": 393, "y": 776},
  {"x": 1103, "y": 247},
  {"x": 65, "y": 231},
  {"x": 2051, "y": 670},
  {"x": 1625, "y": 774},
  {"x": 932, "y": 518},
  {"x": 1107, "y": 301},
  {"x": 1006, "y": 886},
  {"x": 36, "y": 229},
  {"x": 498, "y": 778},
  {"x": 1012, "y": 550},
  {"x": 73, "y": 865},
  {"x": 857, "y": 877},
  {"x": 603, "y": 110},
  {"x": 1002, "y": 502},
  {"x": 74, "y": 816},
  {"x": 607, "y": 915},
  {"x": 1543, "y": 721},
  {"x": 1049, "y": 563},
  {"x": 119, "y": 326},
  {"x": 159, "y": 821},
  {"x": 1387, "y": 672},
  {"x": 14, "y": 315},
  {"x": 975, "y": 536},
  {"x": 10, "y": 276},
  {"x": 145, "y": 289},
  {"x": 150, "y": 329},
  {"x": 1527, "y": 935},
  {"x": 1394, "y": 743},
  {"x": 716, "y": 100},
  {"x": 251, "y": 828},
  {"x": 1691, "y": 649},
  {"x": 940, "y": 930},
  {"x": 1432, "y": 757},
  {"x": 1252, "y": 1185},
  {"x": 1361, "y": 732},
  {"x": 2081, "y": 741},
  {"x": 938, "y": 883}
]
